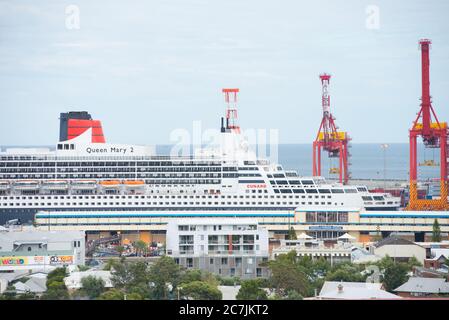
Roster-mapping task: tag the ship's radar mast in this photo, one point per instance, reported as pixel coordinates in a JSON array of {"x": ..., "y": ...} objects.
[{"x": 231, "y": 111}]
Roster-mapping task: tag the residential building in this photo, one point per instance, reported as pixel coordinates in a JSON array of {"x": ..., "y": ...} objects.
[
  {"x": 226, "y": 247},
  {"x": 423, "y": 287},
  {"x": 344, "y": 250},
  {"x": 336, "y": 290},
  {"x": 401, "y": 250},
  {"x": 36, "y": 283}
]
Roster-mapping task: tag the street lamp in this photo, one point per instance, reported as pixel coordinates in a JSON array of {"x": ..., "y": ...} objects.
[{"x": 384, "y": 147}]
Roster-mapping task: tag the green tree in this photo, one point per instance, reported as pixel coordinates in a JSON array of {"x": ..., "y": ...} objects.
[
  {"x": 288, "y": 275},
  {"x": 293, "y": 295},
  {"x": 141, "y": 247},
  {"x": 83, "y": 268},
  {"x": 120, "y": 250},
  {"x": 413, "y": 262},
  {"x": 92, "y": 286},
  {"x": 134, "y": 296},
  {"x": 164, "y": 271},
  {"x": 57, "y": 274},
  {"x": 199, "y": 290},
  {"x": 229, "y": 281},
  {"x": 292, "y": 234},
  {"x": 394, "y": 276},
  {"x": 27, "y": 296},
  {"x": 112, "y": 294},
  {"x": 385, "y": 262},
  {"x": 191, "y": 275},
  {"x": 110, "y": 264},
  {"x": 131, "y": 277},
  {"x": 9, "y": 294},
  {"x": 56, "y": 288},
  {"x": 346, "y": 273},
  {"x": 436, "y": 231},
  {"x": 251, "y": 290}
]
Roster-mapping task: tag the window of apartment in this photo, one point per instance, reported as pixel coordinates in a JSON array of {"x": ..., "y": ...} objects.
[{"x": 238, "y": 261}]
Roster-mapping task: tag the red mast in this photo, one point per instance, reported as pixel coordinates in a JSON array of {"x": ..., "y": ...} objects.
[
  {"x": 434, "y": 135},
  {"x": 231, "y": 110},
  {"x": 334, "y": 142}
]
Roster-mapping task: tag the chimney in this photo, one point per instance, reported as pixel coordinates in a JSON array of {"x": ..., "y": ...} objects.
[{"x": 340, "y": 288}]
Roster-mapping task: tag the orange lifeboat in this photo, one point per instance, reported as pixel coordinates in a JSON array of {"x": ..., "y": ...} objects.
[
  {"x": 110, "y": 183},
  {"x": 134, "y": 182}
]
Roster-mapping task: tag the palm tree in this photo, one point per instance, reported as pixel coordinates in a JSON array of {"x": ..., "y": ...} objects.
[{"x": 140, "y": 246}]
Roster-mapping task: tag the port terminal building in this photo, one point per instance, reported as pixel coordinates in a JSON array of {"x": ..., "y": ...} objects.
[{"x": 319, "y": 223}]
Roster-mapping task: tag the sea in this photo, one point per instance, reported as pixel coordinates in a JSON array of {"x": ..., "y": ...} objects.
[{"x": 368, "y": 161}]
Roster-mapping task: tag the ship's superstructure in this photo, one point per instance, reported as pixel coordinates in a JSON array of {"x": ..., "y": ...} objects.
[{"x": 84, "y": 173}]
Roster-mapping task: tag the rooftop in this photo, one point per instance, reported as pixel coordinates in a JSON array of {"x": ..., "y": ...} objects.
[
  {"x": 394, "y": 241},
  {"x": 354, "y": 291},
  {"x": 35, "y": 235},
  {"x": 424, "y": 285}
]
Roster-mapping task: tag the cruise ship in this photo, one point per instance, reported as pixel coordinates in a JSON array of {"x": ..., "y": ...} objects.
[{"x": 83, "y": 173}]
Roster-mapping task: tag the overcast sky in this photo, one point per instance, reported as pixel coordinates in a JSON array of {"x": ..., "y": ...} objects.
[{"x": 147, "y": 67}]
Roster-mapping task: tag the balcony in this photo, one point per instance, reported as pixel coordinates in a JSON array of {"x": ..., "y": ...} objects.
[{"x": 181, "y": 243}]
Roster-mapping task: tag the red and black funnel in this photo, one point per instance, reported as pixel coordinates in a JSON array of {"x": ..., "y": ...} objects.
[{"x": 75, "y": 123}]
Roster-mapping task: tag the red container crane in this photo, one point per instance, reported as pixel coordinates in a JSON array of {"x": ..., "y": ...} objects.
[
  {"x": 434, "y": 135},
  {"x": 329, "y": 139}
]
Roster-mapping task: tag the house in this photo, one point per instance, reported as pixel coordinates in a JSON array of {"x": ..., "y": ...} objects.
[
  {"x": 436, "y": 262},
  {"x": 336, "y": 290},
  {"x": 35, "y": 284},
  {"x": 423, "y": 287},
  {"x": 24, "y": 281},
  {"x": 430, "y": 273},
  {"x": 401, "y": 250}
]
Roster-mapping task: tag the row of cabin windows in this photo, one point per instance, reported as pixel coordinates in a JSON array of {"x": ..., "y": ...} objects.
[
  {"x": 168, "y": 203},
  {"x": 160, "y": 197}
]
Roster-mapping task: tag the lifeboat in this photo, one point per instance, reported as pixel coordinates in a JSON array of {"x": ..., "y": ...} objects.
[
  {"x": 84, "y": 184},
  {"x": 56, "y": 184},
  {"x": 133, "y": 183},
  {"x": 26, "y": 185},
  {"x": 110, "y": 183},
  {"x": 4, "y": 185}
]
